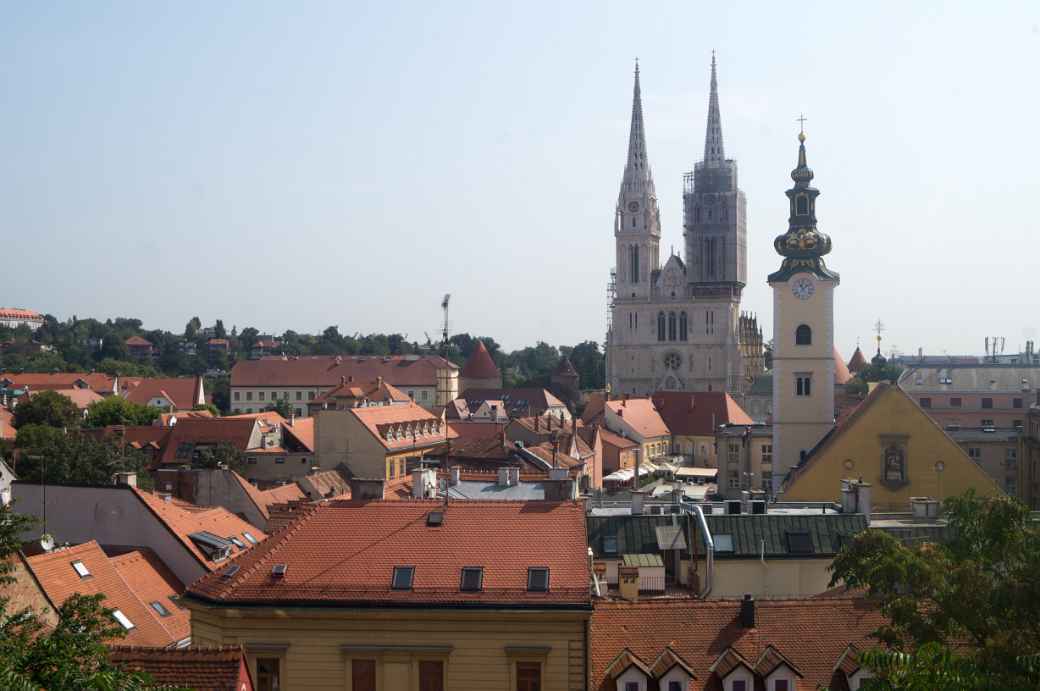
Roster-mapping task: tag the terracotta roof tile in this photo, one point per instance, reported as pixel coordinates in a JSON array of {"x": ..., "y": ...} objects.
[
  {"x": 688, "y": 413},
  {"x": 183, "y": 522},
  {"x": 59, "y": 580},
  {"x": 402, "y": 426},
  {"x": 841, "y": 371},
  {"x": 235, "y": 431},
  {"x": 101, "y": 383},
  {"x": 81, "y": 398},
  {"x": 302, "y": 430},
  {"x": 520, "y": 401},
  {"x": 616, "y": 440},
  {"x": 152, "y": 581},
  {"x": 641, "y": 415},
  {"x": 180, "y": 391},
  {"x": 858, "y": 362},
  {"x": 198, "y": 668},
  {"x": 7, "y": 430},
  {"x": 811, "y": 635},
  {"x": 138, "y": 341},
  {"x": 346, "y": 551},
  {"x": 480, "y": 365},
  {"x": 329, "y": 370}
]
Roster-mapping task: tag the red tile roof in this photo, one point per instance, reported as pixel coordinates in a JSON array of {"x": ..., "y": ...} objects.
[
  {"x": 616, "y": 440},
  {"x": 641, "y": 415},
  {"x": 811, "y": 634},
  {"x": 152, "y": 581},
  {"x": 235, "y": 431},
  {"x": 19, "y": 313},
  {"x": 202, "y": 669},
  {"x": 7, "y": 430},
  {"x": 401, "y": 370},
  {"x": 480, "y": 365},
  {"x": 101, "y": 383},
  {"x": 376, "y": 390},
  {"x": 523, "y": 401},
  {"x": 180, "y": 391},
  {"x": 137, "y": 341},
  {"x": 59, "y": 580},
  {"x": 690, "y": 414},
  {"x": 345, "y": 552},
  {"x": 183, "y": 522},
  {"x": 302, "y": 430},
  {"x": 858, "y": 362},
  {"x": 841, "y": 371},
  {"x": 81, "y": 398},
  {"x": 402, "y": 426}
]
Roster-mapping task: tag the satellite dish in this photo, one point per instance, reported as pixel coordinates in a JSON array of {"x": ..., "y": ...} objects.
[{"x": 47, "y": 542}]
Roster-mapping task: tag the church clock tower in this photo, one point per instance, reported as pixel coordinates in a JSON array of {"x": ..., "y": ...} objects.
[{"x": 803, "y": 329}]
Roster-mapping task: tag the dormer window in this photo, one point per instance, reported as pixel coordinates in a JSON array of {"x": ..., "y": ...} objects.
[
  {"x": 403, "y": 577},
  {"x": 538, "y": 579},
  {"x": 472, "y": 579},
  {"x": 123, "y": 620},
  {"x": 81, "y": 569}
]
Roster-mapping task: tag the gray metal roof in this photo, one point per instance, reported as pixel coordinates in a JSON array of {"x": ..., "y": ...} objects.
[
  {"x": 753, "y": 533},
  {"x": 473, "y": 489},
  {"x": 632, "y": 534}
]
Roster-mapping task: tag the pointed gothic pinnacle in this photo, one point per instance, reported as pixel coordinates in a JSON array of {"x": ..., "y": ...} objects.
[
  {"x": 713, "y": 149},
  {"x": 637, "y": 136}
]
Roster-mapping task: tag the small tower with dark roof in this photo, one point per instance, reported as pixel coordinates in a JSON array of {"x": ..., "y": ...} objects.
[
  {"x": 565, "y": 382},
  {"x": 858, "y": 362},
  {"x": 480, "y": 371}
]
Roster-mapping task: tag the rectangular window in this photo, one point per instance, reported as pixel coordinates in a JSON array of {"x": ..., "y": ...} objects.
[
  {"x": 310, "y": 395},
  {"x": 723, "y": 543},
  {"x": 363, "y": 675},
  {"x": 538, "y": 579},
  {"x": 299, "y": 395},
  {"x": 739, "y": 685},
  {"x": 987, "y": 422},
  {"x": 610, "y": 544},
  {"x": 803, "y": 385},
  {"x": 431, "y": 675},
  {"x": 236, "y": 395},
  {"x": 528, "y": 676},
  {"x": 472, "y": 579},
  {"x": 268, "y": 674},
  {"x": 987, "y": 402},
  {"x": 81, "y": 568},
  {"x": 1011, "y": 457},
  {"x": 402, "y": 579},
  {"x": 1017, "y": 424},
  {"x": 799, "y": 543},
  {"x": 632, "y": 686},
  {"x": 260, "y": 395},
  {"x": 974, "y": 452},
  {"x": 780, "y": 685},
  {"x": 425, "y": 395},
  {"x": 160, "y": 609},
  {"x": 955, "y": 402},
  {"x": 280, "y": 459},
  {"x": 249, "y": 536},
  {"x": 299, "y": 412},
  {"x": 767, "y": 454},
  {"x": 926, "y": 403},
  {"x": 733, "y": 452},
  {"x": 123, "y": 620},
  {"x": 675, "y": 686},
  {"x": 1016, "y": 402},
  {"x": 249, "y": 395}
]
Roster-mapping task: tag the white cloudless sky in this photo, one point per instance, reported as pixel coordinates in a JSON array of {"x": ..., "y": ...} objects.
[{"x": 296, "y": 165}]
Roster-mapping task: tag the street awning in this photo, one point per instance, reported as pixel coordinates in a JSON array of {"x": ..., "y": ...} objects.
[{"x": 697, "y": 472}]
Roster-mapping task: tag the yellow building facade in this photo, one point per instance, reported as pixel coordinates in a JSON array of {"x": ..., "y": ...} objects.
[
  {"x": 891, "y": 443},
  {"x": 325, "y": 648}
]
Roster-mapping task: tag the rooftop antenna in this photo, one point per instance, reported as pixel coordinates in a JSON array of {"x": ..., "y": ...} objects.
[
  {"x": 878, "y": 329},
  {"x": 444, "y": 330}
]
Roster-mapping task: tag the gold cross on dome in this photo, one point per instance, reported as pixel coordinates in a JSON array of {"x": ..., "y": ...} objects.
[{"x": 801, "y": 121}]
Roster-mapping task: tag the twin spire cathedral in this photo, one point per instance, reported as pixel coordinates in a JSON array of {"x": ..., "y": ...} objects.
[{"x": 679, "y": 327}]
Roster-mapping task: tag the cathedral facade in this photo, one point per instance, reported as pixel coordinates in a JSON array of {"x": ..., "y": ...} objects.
[{"x": 679, "y": 326}]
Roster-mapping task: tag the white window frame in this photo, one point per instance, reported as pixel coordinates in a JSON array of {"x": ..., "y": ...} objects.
[
  {"x": 81, "y": 569},
  {"x": 123, "y": 620}
]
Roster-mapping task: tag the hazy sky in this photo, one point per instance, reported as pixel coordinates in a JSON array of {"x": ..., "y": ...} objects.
[{"x": 295, "y": 165}]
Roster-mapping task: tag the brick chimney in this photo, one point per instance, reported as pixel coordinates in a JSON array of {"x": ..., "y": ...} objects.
[
  {"x": 628, "y": 582},
  {"x": 747, "y": 611}
]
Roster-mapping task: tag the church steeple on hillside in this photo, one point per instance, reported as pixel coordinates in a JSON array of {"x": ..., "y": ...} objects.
[{"x": 713, "y": 149}]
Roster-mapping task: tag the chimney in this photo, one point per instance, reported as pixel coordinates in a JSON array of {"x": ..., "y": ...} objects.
[
  {"x": 628, "y": 582},
  {"x": 454, "y": 474},
  {"x": 379, "y": 382},
  {"x": 637, "y": 502},
  {"x": 505, "y": 477},
  {"x": 514, "y": 474},
  {"x": 127, "y": 477},
  {"x": 747, "y": 611}
]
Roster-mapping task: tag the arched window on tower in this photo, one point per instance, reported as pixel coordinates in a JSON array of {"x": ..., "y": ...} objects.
[
  {"x": 671, "y": 326},
  {"x": 802, "y": 205},
  {"x": 803, "y": 335},
  {"x": 660, "y": 326},
  {"x": 634, "y": 263}
]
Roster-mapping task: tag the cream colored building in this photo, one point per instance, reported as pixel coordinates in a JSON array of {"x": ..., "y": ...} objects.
[{"x": 803, "y": 329}]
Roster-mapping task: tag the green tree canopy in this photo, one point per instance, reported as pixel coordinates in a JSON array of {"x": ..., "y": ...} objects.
[
  {"x": 116, "y": 410},
  {"x": 46, "y": 408},
  {"x": 50, "y": 455},
  {"x": 971, "y": 604},
  {"x": 72, "y": 655}
]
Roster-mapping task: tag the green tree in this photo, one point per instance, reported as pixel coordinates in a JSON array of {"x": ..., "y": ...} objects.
[
  {"x": 126, "y": 368},
  {"x": 281, "y": 406},
  {"x": 116, "y": 410},
  {"x": 72, "y": 655},
  {"x": 970, "y": 605},
  {"x": 590, "y": 362},
  {"x": 223, "y": 454},
  {"x": 218, "y": 329},
  {"x": 50, "y": 455},
  {"x": 191, "y": 329},
  {"x": 46, "y": 408}
]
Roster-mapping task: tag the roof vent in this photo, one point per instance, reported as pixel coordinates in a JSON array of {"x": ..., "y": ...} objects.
[
  {"x": 278, "y": 570},
  {"x": 435, "y": 519}
]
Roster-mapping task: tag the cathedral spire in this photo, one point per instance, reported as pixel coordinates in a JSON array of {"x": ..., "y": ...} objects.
[
  {"x": 713, "y": 151},
  {"x": 637, "y": 168}
]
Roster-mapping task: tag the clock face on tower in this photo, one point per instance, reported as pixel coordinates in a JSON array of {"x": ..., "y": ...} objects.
[
  {"x": 633, "y": 206},
  {"x": 803, "y": 287}
]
